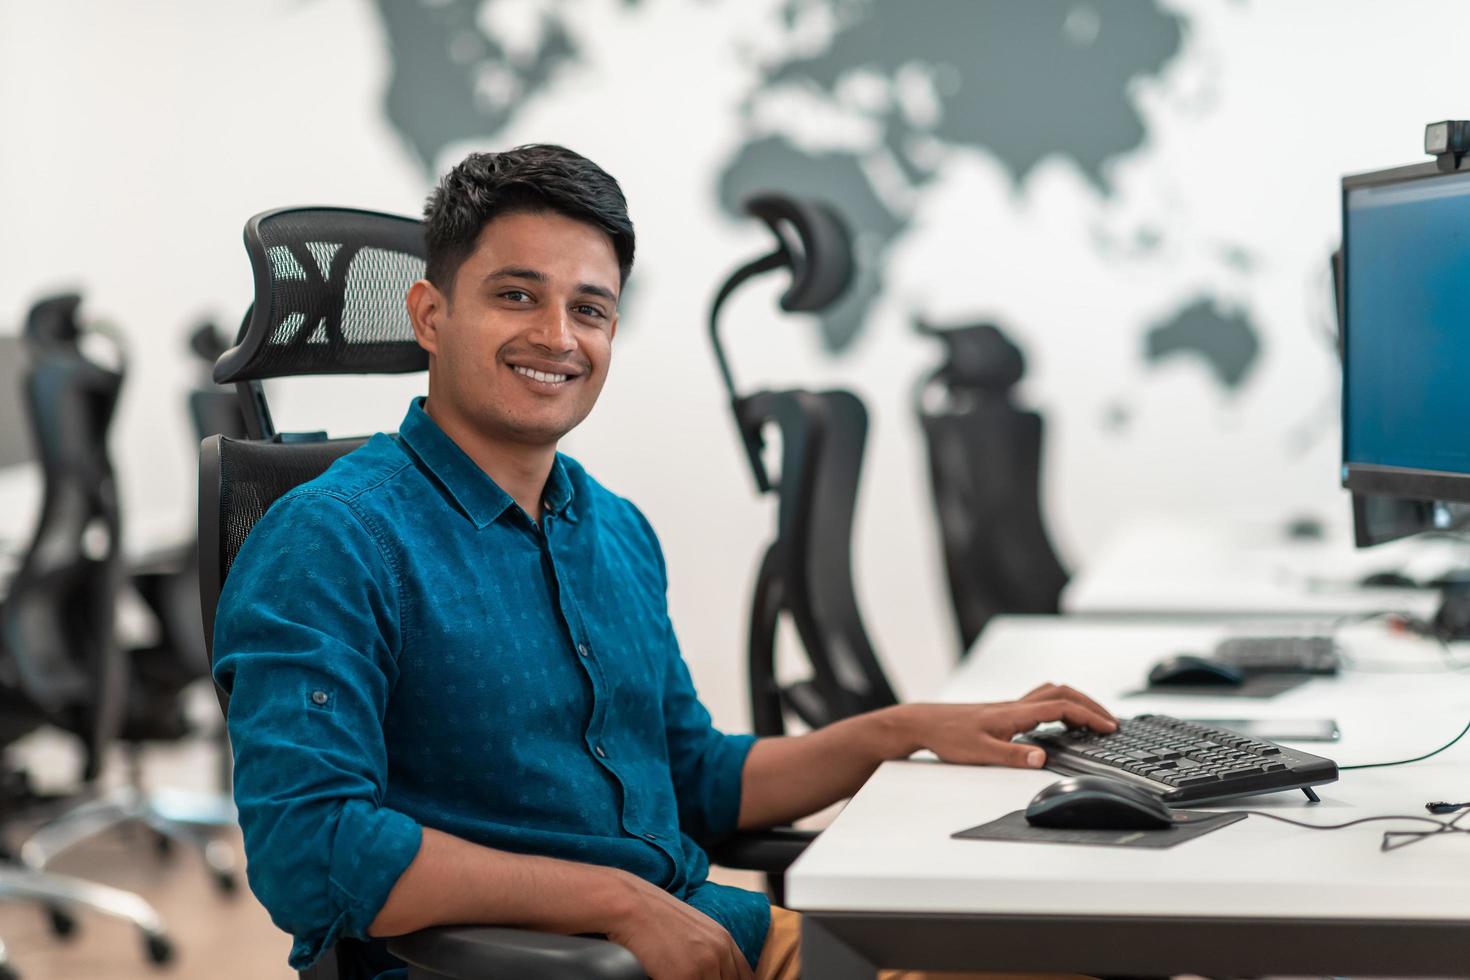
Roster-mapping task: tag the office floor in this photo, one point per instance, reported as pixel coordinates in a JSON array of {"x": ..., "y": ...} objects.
[{"x": 214, "y": 935}]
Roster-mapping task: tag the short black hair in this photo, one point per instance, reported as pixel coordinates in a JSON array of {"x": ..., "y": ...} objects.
[{"x": 532, "y": 178}]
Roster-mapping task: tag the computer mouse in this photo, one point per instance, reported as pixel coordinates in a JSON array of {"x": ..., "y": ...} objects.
[
  {"x": 1188, "y": 670},
  {"x": 1097, "y": 803},
  {"x": 1388, "y": 580},
  {"x": 1305, "y": 528}
]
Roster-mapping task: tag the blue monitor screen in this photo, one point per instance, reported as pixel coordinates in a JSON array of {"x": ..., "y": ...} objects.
[{"x": 1406, "y": 368}]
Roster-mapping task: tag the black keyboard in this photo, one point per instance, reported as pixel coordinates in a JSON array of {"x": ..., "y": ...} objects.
[
  {"x": 1280, "y": 654},
  {"x": 1183, "y": 761}
]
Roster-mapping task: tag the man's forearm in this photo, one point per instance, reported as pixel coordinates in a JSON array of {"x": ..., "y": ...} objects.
[
  {"x": 796, "y": 775},
  {"x": 454, "y": 882}
]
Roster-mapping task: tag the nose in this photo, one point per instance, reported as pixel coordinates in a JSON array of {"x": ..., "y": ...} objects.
[{"x": 552, "y": 332}]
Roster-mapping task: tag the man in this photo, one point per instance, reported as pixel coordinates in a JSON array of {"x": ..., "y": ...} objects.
[{"x": 456, "y": 693}]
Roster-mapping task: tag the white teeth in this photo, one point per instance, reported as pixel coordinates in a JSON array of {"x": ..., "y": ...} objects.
[{"x": 541, "y": 375}]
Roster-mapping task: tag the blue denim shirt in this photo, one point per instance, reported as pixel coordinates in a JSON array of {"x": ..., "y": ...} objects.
[{"x": 405, "y": 648}]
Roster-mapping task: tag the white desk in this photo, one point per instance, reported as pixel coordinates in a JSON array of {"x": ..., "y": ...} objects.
[
  {"x": 885, "y": 886},
  {"x": 1165, "y": 567}
]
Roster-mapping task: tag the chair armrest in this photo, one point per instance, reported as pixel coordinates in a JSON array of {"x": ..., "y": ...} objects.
[
  {"x": 167, "y": 560},
  {"x": 483, "y": 952},
  {"x": 772, "y": 851}
]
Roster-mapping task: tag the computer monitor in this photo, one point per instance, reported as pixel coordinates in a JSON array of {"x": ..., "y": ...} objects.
[
  {"x": 1406, "y": 336},
  {"x": 1380, "y": 519}
]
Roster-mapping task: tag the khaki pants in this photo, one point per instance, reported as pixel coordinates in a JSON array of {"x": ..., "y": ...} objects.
[{"x": 781, "y": 957}]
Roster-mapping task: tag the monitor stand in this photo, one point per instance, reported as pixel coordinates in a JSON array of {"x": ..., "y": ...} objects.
[{"x": 1452, "y": 622}]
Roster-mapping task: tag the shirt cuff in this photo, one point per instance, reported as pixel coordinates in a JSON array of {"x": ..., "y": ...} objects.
[{"x": 372, "y": 849}]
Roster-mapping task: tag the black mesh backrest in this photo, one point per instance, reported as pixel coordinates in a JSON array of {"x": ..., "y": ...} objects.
[
  {"x": 238, "y": 482},
  {"x": 985, "y": 474},
  {"x": 329, "y": 295},
  {"x": 57, "y": 617},
  {"x": 808, "y": 570}
]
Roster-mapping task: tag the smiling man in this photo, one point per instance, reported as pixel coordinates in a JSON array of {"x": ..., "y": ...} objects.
[{"x": 456, "y": 696}]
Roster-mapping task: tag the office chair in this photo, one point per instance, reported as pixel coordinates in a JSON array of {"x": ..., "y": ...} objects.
[
  {"x": 59, "y": 663},
  {"x": 329, "y": 288},
  {"x": 155, "y": 677},
  {"x": 807, "y": 570},
  {"x": 985, "y": 471}
]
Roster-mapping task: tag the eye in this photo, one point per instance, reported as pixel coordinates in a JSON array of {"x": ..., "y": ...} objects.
[
  {"x": 516, "y": 295},
  {"x": 591, "y": 311}
]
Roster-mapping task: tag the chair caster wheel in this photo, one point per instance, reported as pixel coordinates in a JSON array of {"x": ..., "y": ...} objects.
[
  {"x": 63, "y": 923},
  {"x": 159, "y": 949}
]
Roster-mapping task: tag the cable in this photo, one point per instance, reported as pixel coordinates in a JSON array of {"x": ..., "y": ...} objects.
[
  {"x": 1389, "y": 842},
  {"x": 1349, "y": 823},
  {"x": 1404, "y": 762},
  {"x": 1390, "y": 839}
]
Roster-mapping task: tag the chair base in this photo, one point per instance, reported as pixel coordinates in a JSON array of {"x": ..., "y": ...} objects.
[
  {"x": 62, "y": 894},
  {"x": 191, "y": 819}
]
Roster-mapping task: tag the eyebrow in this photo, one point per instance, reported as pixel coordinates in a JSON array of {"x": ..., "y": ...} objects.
[{"x": 532, "y": 275}]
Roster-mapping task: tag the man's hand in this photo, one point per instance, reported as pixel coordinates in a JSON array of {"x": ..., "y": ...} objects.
[
  {"x": 672, "y": 939},
  {"x": 980, "y": 734}
]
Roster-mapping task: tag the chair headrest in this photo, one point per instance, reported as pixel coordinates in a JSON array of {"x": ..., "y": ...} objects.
[
  {"x": 329, "y": 295},
  {"x": 979, "y": 357},
  {"x": 817, "y": 244},
  {"x": 53, "y": 320},
  {"x": 207, "y": 342}
]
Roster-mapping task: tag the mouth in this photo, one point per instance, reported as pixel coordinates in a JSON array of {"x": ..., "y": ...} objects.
[{"x": 544, "y": 382}]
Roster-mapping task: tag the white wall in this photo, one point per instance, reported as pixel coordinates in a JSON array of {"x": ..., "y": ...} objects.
[{"x": 138, "y": 137}]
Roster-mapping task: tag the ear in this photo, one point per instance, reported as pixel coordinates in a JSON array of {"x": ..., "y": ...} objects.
[{"x": 426, "y": 308}]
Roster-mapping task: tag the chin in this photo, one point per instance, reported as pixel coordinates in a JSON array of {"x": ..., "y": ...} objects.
[{"x": 533, "y": 432}]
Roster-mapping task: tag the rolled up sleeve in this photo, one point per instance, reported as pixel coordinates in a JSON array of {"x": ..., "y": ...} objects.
[{"x": 306, "y": 641}]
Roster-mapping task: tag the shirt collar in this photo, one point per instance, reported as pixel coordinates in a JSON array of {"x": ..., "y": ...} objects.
[{"x": 480, "y": 497}]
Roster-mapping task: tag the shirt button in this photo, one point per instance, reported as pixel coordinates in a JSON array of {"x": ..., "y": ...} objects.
[
  {"x": 582, "y": 649},
  {"x": 318, "y": 697},
  {"x": 600, "y": 753}
]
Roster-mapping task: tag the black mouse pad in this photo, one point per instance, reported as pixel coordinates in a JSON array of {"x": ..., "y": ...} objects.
[
  {"x": 1190, "y": 824},
  {"x": 1257, "y": 686}
]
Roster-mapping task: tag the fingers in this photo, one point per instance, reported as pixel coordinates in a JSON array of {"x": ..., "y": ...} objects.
[
  {"x": 1026, "y": 715},
  {"x": 1050, "y": 692},
  {"x": 742, "y": 967},
  {"x": 1017, "y": 755},
  {"x": 987, "y": 750},
  {"x": 733, "y": 965}
]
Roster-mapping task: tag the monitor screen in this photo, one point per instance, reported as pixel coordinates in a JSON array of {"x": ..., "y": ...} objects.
[{"x": 1406, "y": 334}]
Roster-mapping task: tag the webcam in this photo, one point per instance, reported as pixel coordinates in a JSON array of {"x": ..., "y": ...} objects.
[{"x": 1447, "y": 142}]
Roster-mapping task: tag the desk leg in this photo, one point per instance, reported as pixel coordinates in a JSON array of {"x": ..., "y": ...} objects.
[{"x": 825, "y": 957}]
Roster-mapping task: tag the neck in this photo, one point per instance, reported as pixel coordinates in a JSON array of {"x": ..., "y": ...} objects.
[{"x": 519, "y": 469}]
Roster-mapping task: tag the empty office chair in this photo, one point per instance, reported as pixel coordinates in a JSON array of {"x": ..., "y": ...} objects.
[
  {"x": 59, "y": 663},
  {"x": 345, "y": 314},
  {"x": 807, "y": 570},
  {"x": 153, "y": 711},
  {"x": 985, "y": 471}
]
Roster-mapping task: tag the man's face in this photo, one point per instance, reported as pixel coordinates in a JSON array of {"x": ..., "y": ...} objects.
[{"x": 521, "y": 347}]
